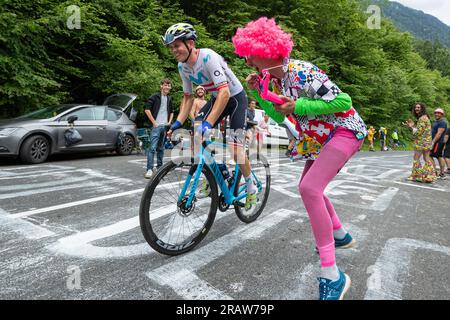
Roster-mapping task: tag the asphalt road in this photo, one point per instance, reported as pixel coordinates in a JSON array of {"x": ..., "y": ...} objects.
[{"x": 69, "y": 229}]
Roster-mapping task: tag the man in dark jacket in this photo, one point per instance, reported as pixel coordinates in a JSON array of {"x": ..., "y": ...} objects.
[{"x": 159, "y": 110}]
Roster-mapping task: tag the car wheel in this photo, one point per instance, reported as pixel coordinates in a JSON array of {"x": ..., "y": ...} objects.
[
  {"x": 125, "y": 145},
  {"x": 35, "y": 149}
]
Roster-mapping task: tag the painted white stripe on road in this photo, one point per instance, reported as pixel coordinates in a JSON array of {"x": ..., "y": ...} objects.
[
  {"x": 22, "y": 227},
  {"x": 176, "y": 274},
  {"x": 46, "y": 173},
  {"x": 36, "y": 166},
  {"x": 47, "y": 190},
  {"x": 421, "y": 187},
  {"x": 54, "y": 183},
  {"x": 284, "y": 192},
  {"x": 76, "y": 203},
  {"x": 101, "y": 198},
  {"x": 392, "y": 267},
  {"x": 79, "y": 244}
]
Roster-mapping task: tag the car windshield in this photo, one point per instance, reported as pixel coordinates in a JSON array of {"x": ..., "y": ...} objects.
[{"x": 46, "y": 113}]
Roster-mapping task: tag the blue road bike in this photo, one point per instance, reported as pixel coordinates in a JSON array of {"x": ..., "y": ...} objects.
[{"x": 176, "y": 213}]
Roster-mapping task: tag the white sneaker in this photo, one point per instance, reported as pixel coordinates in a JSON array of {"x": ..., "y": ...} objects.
[{"x": 149, "y": 173}]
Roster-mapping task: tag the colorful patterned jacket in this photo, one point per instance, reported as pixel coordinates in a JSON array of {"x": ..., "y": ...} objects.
[{"x": 320, "y": 108}]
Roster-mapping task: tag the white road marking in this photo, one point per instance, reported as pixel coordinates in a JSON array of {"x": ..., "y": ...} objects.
[
  {"x": 32, "y": 168},
  {"x": 392, "y": 267},
  {"x": 36, "y": 186},
  {"x": 75, "y": 203},
  {"x": 179, "y": 274},
  {"x": 81, "y": 202},
  {"x": 79, "y": 244},
  {"x": 47, "y": 190},
  {"x": 284, "y": 192},
  {"x": 419, "y": 186},
  {"x": 37, "y": 174},
  {"x": 24, "y": 228},
  {"x": 340, "y": 188}
]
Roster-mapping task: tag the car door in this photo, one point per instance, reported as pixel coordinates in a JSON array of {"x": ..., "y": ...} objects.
[
  {"x": 125, "y": 102},
  {"x": 91, "y": 124},
  {"x": 113, "y": 128},
  {"x": 278, "y": 134}
]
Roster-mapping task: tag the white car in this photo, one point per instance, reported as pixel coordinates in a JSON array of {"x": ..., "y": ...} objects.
[{"x": 278, "y": 133}]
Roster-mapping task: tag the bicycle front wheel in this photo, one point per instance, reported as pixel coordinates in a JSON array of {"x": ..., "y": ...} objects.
[
  {"x": 261, "y": 173},
  {"x": 170, "y": 225}
]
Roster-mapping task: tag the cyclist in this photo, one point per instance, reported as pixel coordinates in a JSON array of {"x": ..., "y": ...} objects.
[
  {"x": 326, "y": 119},
  {"x": 207, "y": 68}
]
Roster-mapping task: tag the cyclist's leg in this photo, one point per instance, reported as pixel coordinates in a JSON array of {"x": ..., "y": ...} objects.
[
  {"x": 238, "y": 107},
  {"x": 203, "y": 113}
]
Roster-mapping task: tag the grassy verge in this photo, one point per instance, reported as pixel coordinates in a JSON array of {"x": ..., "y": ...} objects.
[{"x": 376, "y": 144}]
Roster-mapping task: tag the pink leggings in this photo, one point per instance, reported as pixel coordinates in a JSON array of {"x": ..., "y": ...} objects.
[{"x": 316, "y": 176}]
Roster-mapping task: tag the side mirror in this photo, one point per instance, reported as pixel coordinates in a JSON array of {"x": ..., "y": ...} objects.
[{"x": 72, "y": 119}]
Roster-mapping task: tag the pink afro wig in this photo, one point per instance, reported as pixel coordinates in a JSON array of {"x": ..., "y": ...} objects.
[{"x": 263, "y": 38}]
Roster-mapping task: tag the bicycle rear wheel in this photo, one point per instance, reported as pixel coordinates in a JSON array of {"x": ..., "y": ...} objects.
[
  {"x": 260, "y": 171},
  {"x": 168, "y": 225}
]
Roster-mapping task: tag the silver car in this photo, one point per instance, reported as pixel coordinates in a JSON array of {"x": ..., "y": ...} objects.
[{"x": 37, "y": 135}]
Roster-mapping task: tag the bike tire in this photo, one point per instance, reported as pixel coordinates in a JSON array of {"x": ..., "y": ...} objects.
[
  {"x": 147, "y": 228},
  {"x": 261, "y": 162}
]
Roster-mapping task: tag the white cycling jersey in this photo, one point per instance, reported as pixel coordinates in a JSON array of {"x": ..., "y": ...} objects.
[{"x": 210, "y": 71}]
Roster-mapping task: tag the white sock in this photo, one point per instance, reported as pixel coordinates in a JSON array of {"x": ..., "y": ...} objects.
[
  {"x": 331, "y": 273},
  {"x": 251, "y": 188},
  {"x": 339, "y": 233}
]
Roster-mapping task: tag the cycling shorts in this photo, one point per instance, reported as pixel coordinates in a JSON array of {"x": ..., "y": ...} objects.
[{"x": 236, "y": 108}]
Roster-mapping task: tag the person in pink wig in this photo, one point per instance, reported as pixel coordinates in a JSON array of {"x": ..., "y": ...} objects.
[{"x": 331, "y": 133}]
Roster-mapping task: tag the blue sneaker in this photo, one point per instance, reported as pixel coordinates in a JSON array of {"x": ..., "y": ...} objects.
[
  {"x": 345, "y": 243},
  {"x": 334, "y": 290}
]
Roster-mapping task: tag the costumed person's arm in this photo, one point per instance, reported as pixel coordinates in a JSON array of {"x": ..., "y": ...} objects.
[
  {"x": 268, "y": 107},
  {"x": 308, "y": 106}
]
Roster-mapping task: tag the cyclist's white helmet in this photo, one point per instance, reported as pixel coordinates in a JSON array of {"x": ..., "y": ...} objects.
[{"x": 183, "y": 31}]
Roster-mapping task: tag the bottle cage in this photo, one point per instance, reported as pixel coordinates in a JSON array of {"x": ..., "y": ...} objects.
[{"x": 264, "y": 89}]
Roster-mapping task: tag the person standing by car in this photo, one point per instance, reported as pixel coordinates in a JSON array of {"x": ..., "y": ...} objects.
[
  {"x": 437, "y": 133},
  {"x": 159, "y": 110}
]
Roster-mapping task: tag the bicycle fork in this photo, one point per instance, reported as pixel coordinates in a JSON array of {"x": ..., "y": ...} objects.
[{"x": 196, "y": 174}]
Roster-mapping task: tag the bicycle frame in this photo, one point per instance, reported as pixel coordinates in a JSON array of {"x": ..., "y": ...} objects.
[{"x": 206, "y": 158}]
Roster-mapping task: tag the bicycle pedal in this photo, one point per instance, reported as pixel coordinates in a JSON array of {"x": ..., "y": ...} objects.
[{"x": 239, "y": 204}]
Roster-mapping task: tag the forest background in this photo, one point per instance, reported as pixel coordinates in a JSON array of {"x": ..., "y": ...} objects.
[{"x": 117, "y": 47}]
